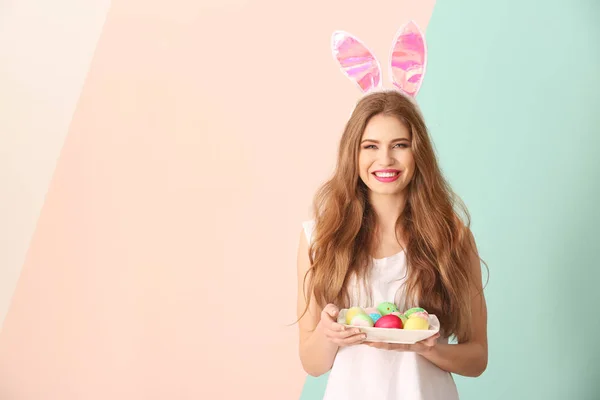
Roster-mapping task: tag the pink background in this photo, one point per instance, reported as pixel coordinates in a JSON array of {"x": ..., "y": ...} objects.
[{"x": 159, "y": 260}]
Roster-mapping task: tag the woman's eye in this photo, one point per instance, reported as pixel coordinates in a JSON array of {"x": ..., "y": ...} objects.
[{"x": 401, "y": 145}]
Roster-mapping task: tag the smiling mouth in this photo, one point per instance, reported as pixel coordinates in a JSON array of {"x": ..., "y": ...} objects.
[{"x": 387, "y": 174}]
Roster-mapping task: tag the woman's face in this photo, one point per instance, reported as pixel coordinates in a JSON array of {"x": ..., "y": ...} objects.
[{"x": 385, "y": 159}]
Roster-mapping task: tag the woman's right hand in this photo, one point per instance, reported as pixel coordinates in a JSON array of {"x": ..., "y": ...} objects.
[{"x": 337, "y": 333}]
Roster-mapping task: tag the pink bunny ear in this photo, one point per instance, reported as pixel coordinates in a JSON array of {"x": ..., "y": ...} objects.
[
  {"x": 357, "y": 62},
  {"x": 408, "y": 59}
]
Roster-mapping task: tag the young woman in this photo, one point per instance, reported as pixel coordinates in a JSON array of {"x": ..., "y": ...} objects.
[{"x": 387, "y": 228}]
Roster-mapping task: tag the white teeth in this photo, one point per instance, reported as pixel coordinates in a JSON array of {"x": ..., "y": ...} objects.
[{"x": 386, "y": 174}]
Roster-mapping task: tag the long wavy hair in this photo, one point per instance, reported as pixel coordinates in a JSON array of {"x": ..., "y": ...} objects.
[{"x": 439, "y": 244}]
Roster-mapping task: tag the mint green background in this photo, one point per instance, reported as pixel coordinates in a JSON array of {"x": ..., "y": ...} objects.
[{"x": 511, "y": 97}]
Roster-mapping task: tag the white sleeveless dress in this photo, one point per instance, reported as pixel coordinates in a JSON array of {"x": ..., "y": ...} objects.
[{"x": 361, "y": 372}]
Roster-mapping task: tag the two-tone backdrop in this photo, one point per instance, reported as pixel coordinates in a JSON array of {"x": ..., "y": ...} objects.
[{"x": 158, "y": 157}]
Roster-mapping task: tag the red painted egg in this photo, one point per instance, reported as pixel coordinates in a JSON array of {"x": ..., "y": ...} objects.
[{"x": 389, "y": 321}]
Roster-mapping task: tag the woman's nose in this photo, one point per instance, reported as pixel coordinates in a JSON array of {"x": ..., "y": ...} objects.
[{"x": 385, "y": 157}]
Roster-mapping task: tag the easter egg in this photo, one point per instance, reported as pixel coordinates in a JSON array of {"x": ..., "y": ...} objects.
[
  {"x": 386, "y": 308},
  {"x": 420, "y": 314},
  {"x": 361, "y": 320},
  {"x": 371, "y": 310},
  {"x": 413, "y": 310},
  {"x": 375, "y": 316},
  {"x": 389, "y": 321},
  {"x": 373, "y": 313},
  {"x": 400, "y": 315},
  {"x": 352, "y": 312},
  {"x": 416, "y": 324}
]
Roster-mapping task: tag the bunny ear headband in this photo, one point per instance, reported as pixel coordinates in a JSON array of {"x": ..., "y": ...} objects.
[{"x": 408, "y": 59}]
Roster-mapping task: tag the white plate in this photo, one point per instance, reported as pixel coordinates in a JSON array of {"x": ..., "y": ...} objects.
[{"x": 400, "y": 336}]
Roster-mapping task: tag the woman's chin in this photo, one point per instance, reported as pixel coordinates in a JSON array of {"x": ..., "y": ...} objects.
[{"x": 386, "y": 191}]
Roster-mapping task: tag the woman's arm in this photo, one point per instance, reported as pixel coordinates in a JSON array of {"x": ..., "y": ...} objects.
[
  {"x": 320, "y": 334},
  {"x": 469, "y": 358},
  {"x": 316, "y": 351}
]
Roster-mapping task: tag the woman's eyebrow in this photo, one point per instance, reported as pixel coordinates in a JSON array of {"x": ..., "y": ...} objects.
[{"x": 377, "y": 141}]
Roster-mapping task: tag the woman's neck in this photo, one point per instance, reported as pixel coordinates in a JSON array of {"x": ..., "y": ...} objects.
[{"x": 388, "y": 209}]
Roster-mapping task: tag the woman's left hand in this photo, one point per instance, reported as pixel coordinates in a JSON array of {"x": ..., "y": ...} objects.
[{"x": 424, "y": 346}]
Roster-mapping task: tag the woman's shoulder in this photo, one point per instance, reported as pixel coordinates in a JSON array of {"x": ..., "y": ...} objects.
[
  {"x": 308, "y": 224},
  {"x": 308, "y": 227}
]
